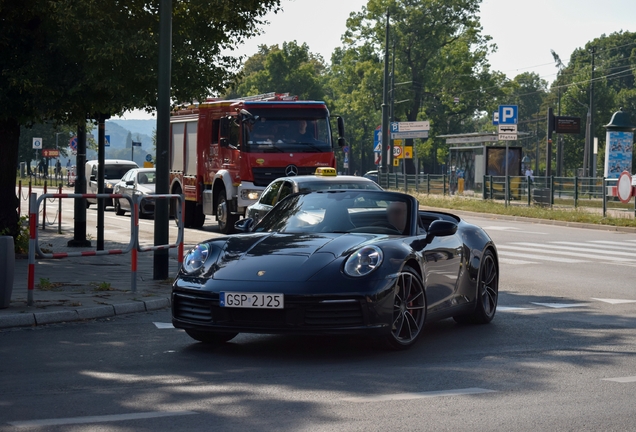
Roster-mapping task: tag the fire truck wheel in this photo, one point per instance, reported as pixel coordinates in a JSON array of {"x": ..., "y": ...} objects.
[{"x": 225, "y": 219}]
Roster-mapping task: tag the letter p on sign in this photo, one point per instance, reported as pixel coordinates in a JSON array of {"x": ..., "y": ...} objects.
[{"x": 507, "y": 114}]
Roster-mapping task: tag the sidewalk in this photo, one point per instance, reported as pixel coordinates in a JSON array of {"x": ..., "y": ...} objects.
[{"x": 79, "y": 288}]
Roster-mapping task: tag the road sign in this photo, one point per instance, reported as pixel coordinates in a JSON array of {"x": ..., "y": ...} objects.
[
  {"x": 149, "y": 158},
  {"x": 418, "y": 129},
  {"x": 107, "y": 141},
  {"x": 345, "y": 149},
  {"x": 508, "y": 114},
  {"x": 377, "y": 139},
  {"x": 72, "y": 143},
  {"x": 37, "y": 143},
  {"x": 50, "y": 153},
  {"x": 408, "y": 152},
  {"x": 507, "y": 129},
  {"x": 377, "y": 158},
  {"x": 495, "y": 118},
  {"x": 377, "y": 148},
  {"x": 136, "y": 143},
  {"x": 396, "y": 162},
  {"x": 397, "y": 151},
  {"x": 507, "y": 137}
]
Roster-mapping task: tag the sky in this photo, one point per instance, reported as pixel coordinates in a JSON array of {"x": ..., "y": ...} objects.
[{"x": 524, "y": 30}]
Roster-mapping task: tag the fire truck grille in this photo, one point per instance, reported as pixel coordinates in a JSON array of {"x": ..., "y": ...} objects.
[{"x": 264, "y": 176}]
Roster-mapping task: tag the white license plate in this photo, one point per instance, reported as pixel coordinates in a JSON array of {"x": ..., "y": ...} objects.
[{"x": 252, "y": 300}]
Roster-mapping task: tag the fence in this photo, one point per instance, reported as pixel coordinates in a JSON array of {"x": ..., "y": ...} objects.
[
  {"x": 552, "y": 191},
  {"x": 133, "y": 245}
]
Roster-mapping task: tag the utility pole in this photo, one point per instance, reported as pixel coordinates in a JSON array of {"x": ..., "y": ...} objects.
[
  {"x": 392, "y": 110},
  {"x": 386, "y": 145},
  {"x": 590, "y": 150}
]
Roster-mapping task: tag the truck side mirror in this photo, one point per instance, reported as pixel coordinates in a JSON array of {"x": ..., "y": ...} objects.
[
  {"x": 224, "y": 129},
  {"x": 224, "y": 142},
  {"x": 341, "y": 128}
]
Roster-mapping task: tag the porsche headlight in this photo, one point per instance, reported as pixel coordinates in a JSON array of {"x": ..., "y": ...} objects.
[
  {"x": 195, "y": 259},
  {"x": 363, "y": 261}
]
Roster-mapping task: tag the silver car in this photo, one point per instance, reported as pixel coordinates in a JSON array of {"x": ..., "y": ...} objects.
[
  {"x": 135, "y": 183},
  {"x": 281, "y": 187}
]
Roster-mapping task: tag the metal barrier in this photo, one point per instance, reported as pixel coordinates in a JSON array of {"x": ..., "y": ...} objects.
[
  {"x": 180, "y": 211},
  {"x": 133, "y": 246}
]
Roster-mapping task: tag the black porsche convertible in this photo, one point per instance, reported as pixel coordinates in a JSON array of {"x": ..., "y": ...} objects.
[{"x": 338, "y": 262}]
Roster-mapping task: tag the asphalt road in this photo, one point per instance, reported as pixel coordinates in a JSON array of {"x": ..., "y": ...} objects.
[{"x": 560, "y": 355}]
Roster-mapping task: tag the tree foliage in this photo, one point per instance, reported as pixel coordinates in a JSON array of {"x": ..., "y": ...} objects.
[{"x": 68, "y": 60}]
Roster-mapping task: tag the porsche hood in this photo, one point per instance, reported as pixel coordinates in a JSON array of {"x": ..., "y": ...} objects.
[{"x": 280, "y": 257}]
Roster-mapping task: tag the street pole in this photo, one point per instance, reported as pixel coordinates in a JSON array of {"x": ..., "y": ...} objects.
[
  {"x": 101, "y": 156},
  {"x": 548, "y": 149},
  {"x": 385, "y": 103},
  {"x": 591, "y": 139},
  {"x": 79, "y": 220},
  {"x": 160, "y": 258}
]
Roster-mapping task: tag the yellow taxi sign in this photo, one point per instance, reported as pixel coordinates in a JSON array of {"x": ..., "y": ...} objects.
[{"x": 326, "y": 171}]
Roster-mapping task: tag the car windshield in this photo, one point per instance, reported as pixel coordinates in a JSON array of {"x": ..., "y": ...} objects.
[
  {"x": 340, "y": 212},
  {"x": 345, "y": 184},
  {"x": 281, "y": 135},
  {"x": 115, "y": 172}
]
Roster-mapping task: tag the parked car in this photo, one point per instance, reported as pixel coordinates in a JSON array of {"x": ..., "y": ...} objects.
[
  {"x": 338, "y": 262},
  {"x": 135, "y": 183},
  {"x": 114, "y": 170},
  {"x": 372, "y": 175},
  {"x": 324, "y": 178}
]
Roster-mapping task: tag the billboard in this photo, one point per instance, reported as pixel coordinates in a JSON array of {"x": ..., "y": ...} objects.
[
  {"x": 618, "y": 153},
  {"x": 496, "y": 157}
]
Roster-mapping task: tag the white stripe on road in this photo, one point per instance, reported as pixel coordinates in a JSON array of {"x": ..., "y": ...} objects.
[
  {"x": 594, "y": 250},
  {"x": 511, "y": 229},
  {"x": 410, "y": 396},
  {"x": 598, "y": 245},
  {"x": 630, "y": 379},
  {"x": 511, "y": 308},
  {"x": 595, "y": 257},
  {"x": 514, "y": 261},
  {"x": 99, "y": 419},
  {"x": 614, "y": 301},
  {"x": 161, "y": 325},
  {"x": 561, "y": 305},
  {"x": 614, "y": 243},
  {"x": 505, "y": 253}
]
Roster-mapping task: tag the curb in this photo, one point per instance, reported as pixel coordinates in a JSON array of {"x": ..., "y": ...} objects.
[{"x": 32, "y": 319}]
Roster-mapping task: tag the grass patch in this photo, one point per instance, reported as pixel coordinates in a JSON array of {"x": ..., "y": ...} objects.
[{"x": 492, "y": 207}]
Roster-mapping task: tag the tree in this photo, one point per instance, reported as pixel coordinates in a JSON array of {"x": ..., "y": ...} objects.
[
  {"x": 291, "y": 69},
  {"x": 440, "y": 56},
  {"x": 70, "y": 60}
]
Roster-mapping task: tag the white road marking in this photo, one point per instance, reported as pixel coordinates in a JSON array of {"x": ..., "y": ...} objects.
[
  {"x": 630, "y": 379},
  {"x": 506, "y": 253},
  {"x": 601, "y": 251},
  {"x": 614, "y": 301},
  {"x": 599, "y": 245},
  {"x": 410, "y": 396},
  {"x": 545, "y": 249},
  {"x": 620, "y": 245},
  {"x": 514, "y": 261},
  {"x": 511, "y": 308},
  {"x": 161, "y": 325},
  {"x": 511, "y": 229},
  {"x": 561, "y": 305},
  {"x": 99, "y": 419}
]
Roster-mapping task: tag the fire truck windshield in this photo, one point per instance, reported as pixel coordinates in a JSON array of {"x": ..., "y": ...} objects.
[{"x": 266, "y": 135}]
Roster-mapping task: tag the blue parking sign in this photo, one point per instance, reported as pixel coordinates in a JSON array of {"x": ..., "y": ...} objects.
[{"x": 508, "y": 114}]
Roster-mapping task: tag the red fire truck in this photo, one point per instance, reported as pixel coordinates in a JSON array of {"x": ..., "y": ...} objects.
[{"x": 223, "y": 153}]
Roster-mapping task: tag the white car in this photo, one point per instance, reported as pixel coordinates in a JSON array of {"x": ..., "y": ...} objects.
[
  {"x": 325, "y": 178},
  {"x": 135, "y": 183},
  {"x": 114, "y": 170}
]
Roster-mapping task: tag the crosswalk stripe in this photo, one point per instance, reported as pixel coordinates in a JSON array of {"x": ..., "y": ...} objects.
[
  {"x": 604, "y": 248},
  {"x": 514, "y": 261},
  {"x": 533, "y": 256},
  {"x": 597, "y": 245},
  {"x": 550, "y": 250},
  {"x": 621, "y": 245},
  {"x": 577, "y": 249}
]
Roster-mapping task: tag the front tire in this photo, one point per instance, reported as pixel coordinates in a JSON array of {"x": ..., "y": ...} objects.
[
  {"x": 118, "y": 209},
  {"x": 210, "y": 337},
  {"x": 409, "y": 310},
  {"x": 487, "y": 292},
  {"x": 225, "y": 219}
]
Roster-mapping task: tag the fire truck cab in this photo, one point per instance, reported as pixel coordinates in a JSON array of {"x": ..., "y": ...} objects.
[{"x": 223, "y": 153}]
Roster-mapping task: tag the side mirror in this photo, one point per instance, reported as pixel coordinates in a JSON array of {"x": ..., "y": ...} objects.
[
  {"x": 441, "y": 228},
  {"x": 341, "y": 142},
  {"x": 130, "y": 182},
  {"x": 92, "y": 178},
  {"x": 224, "y": 142},
  {"x": 244, "y": 225},
  {"x": 341, "y": 128}
]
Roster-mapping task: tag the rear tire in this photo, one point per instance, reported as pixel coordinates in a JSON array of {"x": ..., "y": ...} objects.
[
  {"x": 225, "y": 219},
  {"x": 487, "y": 293},
  {"x": 210, "y": 337}
]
